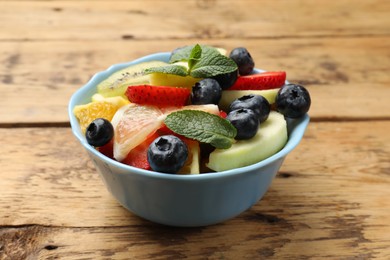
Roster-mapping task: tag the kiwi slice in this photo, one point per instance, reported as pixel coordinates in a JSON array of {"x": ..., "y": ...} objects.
[{"x": 117, "y": 83}]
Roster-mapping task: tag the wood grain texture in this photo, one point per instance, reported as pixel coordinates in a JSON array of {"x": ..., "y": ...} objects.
[
  {"x": 200, "y": 19},
  {"x": 346, "y": 77},
  {"x": 328, "y": 201}
]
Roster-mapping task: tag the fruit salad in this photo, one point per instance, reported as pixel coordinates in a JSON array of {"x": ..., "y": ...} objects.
[{"x": 203, "y": 111}]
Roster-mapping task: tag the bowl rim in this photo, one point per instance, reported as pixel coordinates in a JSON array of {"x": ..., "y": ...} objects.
[{"x": 296, "y": 130}]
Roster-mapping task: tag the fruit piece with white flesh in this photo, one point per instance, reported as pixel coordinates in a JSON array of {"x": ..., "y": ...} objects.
[
  {"x": 117, "y": 83},
  {"x": 228, "y": 96},
  {"x": 270, "y": 138},
  {"x": 132, "y": 124},
  {"x": 222, "y": 51},
  {"x": 209, "y": 108}
]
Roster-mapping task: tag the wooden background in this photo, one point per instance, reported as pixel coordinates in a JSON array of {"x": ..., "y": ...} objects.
[{"x": 331, "y": 197}]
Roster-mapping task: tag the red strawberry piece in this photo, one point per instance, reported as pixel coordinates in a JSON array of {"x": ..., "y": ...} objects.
[
  {"x": 158, "y": 95},
  {"x": 164, "y": 130},
  {"x": 260, "y": 81},
  {"x": 222, "y": 114},
  {"x": 138, "y": 156},
  {"x": 107, "y": 149}
]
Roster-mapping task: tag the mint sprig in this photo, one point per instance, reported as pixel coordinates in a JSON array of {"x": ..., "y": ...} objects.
[
  {"x": 202, "y": 62},
  {"x": 203, "y": 127},
  {"x": 184, "y": 53},
  {"x": 195, "y": 55},
  {"x": 213, "y": 65}
]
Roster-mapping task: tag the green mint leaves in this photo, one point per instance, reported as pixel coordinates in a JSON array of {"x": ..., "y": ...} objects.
[
  {"x": 203, "y": 127},
  {"x": 213, "y": 65},
  {"x": 183, "y": 53},
  {"x": 170, "y": 69},
  {"x": 195, "y": 55},
  {"x": 199, "y": 62}
]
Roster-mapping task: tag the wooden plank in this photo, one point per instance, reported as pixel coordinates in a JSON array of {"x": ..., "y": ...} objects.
[
  {"x": 329, "y": 199},
  {"x": 347, "y": 74},
  {"x": 102, "y": 20}
]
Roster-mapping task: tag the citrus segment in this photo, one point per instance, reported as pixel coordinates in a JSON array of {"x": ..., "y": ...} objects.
[
  {"x": 132, "y": 125},
  {"x": 89, "y": 112}
]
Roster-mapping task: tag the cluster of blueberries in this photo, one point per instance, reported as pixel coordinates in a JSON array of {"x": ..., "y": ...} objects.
[{"x": 248, "y": 112}]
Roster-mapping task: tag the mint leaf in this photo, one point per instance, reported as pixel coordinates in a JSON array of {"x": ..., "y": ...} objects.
[
  {"x": 195, "y": 55},
  {"x": 169, "y": 69},
  {"x": 203, "y": 127},
  {"x": 184, "y": 53},
  {"x": 212, "y": 65}
]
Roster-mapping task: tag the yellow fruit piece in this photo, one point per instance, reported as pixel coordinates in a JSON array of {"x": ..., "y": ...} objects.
[
  {"x": 99, "y": 108},
  {"x": 162, "y": 79},
  {"x": 117, "y": 101},
  {"x": 192, "y": 165}
]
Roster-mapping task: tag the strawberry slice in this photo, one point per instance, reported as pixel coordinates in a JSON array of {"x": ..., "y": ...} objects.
[
  {"x": 260, "y": 81},
  {"x": 107, "y": 149},
  {"x": 158, "y": 95},
  {"x": 222, "y": 114},
  {"x": 138, "y": 156}
]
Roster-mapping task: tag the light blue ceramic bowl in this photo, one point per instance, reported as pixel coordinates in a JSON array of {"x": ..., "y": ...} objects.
[{"x": 182, "y": 200}]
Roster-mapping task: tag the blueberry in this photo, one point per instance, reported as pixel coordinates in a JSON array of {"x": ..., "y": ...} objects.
[
  {"x": 226, "y": 80},
  {"x": 293, "y": 100},
  {"x": 243, "y": 59},
  {"x": 167, "y": 154},
  {"x": 245, "y": 121},
  {"x": 99, "y": 132},
  {"x": 256, "y": 103},
  {"x": 206, "y": 91}
]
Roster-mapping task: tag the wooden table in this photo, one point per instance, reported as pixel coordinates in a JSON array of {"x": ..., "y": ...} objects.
[{"x": 330, "y": 199}]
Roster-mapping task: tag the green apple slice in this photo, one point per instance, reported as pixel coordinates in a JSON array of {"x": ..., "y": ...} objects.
[
  {"x": 228, "y": 96},
  {"x": 117, "y": 83},
  {"x": 270, "y": 138}
]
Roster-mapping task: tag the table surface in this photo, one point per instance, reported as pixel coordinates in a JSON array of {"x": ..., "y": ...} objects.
[{"x": 330, "y": 199}]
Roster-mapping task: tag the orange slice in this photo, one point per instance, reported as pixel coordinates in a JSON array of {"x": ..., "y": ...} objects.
[{"x": 99, "y": 108}]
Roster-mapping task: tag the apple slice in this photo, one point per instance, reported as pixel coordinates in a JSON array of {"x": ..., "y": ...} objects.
[
  {"x": 228, "y": 96},
  {"x": 270, "y": 138}
]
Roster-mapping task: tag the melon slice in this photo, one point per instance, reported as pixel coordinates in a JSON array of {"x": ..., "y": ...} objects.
[{"x": 270, "y": 138}]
